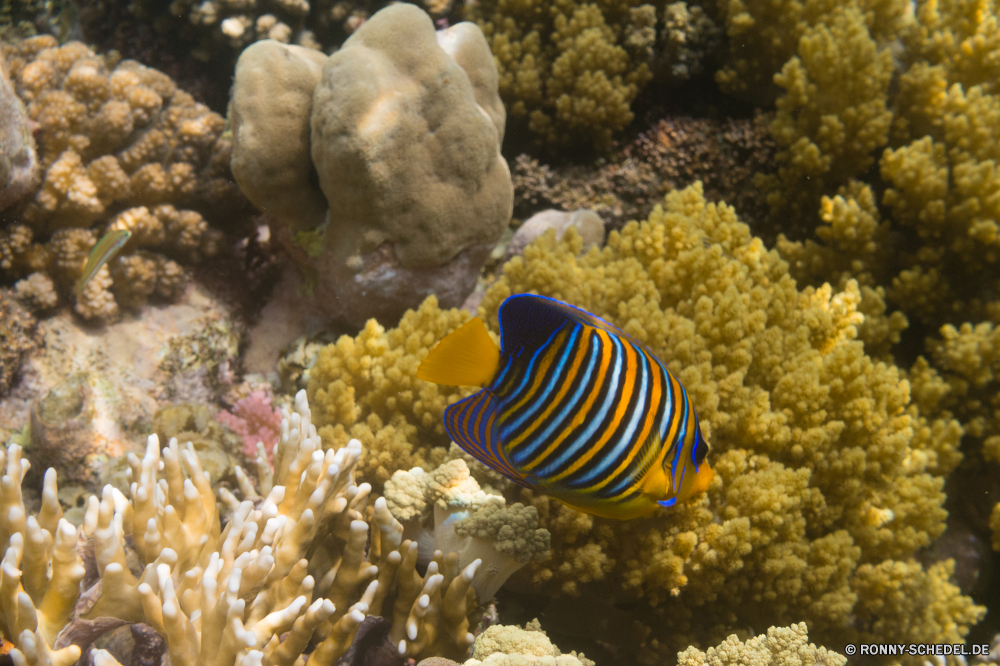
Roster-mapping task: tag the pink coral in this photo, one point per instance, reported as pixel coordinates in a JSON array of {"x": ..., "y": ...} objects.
[{"x": 254, "y": 420}]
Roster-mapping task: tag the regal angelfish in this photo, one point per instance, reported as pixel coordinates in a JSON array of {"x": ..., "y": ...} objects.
[{"x": 573, "y": 407}]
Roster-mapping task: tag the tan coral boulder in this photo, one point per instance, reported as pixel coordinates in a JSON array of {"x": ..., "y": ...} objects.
[
  {"x": 18, "y": 163},
  {"x": 406, "y": 127},
  {"x": 270, "y": 111}
]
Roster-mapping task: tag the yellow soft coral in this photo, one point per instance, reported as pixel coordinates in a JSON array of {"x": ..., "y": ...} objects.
[
  {"x": 833, "y": 112},
  {"x": 781, "y": 646},
  {"x": 764, "y": 35},
  {"x": 564, "y": 65},
  {"x": 366, "y": 387},
  {"x": 823, "y": 460}
]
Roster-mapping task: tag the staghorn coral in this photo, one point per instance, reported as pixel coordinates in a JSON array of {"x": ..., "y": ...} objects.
[
  {"x": 781, "y": 646},
  {"x": 564, "y": 66},
  {"x": 119, "y": 145},
  {"x": 829, "y": 476},
  {"x": 223, "y": 593}
]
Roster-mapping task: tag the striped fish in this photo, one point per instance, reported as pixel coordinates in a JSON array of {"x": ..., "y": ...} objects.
[
  {"x": 573, "y": 407},
  {"x": 106, "y": 248}
]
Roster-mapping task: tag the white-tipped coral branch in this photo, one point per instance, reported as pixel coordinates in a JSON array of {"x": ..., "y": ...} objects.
[{"x": 244, "y": 593}]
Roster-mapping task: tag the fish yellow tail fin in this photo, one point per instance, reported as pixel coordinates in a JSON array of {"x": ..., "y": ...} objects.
[{"x": 465, "y": 357}]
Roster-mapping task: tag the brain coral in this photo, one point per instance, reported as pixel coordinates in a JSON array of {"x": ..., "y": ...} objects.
[
  {"x": 829, "y": 478},
  {"x": 120, "y": 146}
]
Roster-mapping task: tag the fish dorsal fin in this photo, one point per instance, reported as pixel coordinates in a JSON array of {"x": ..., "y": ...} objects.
[
  {"x": 465, "y": 357},
  {"x": 528, "y": 320},
  {"x": 471, "y": 423}
]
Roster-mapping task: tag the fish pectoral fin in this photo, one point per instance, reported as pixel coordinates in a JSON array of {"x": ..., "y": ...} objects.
[{"x": 465, "y": 357}]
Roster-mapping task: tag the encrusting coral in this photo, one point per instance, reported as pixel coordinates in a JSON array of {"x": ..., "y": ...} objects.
[
  {"x": 120, "y": 146},
  {"x": 828, "y": 475},
  {"x": 224, "y": 594}
]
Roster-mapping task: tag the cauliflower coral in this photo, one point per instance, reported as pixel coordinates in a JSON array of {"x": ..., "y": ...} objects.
[
  {"x": 829, "y": 477},
  {"x": 447, "y": 510}
]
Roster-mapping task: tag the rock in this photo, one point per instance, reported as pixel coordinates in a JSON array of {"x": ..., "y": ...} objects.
[{"x": 588, "y": 224}]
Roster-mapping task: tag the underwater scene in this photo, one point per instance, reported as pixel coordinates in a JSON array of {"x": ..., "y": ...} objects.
[{"x": 499, "y": 332}]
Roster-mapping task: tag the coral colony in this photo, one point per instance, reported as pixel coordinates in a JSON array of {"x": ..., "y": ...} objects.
[{"x": 816, "y": 266}]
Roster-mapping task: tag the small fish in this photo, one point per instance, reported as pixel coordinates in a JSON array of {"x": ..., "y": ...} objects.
[
  {"x": 101, "y": 254},
  {"x": 573, "y": 407}
]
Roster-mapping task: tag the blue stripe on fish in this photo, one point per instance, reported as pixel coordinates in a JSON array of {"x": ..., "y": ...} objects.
[{"x": 577, "y": 409}]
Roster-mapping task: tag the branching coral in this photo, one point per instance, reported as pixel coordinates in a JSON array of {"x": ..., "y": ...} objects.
[
  {"x": 832, "y": 115},
  {"x": 365, "y": 387},
  {"x": 764, "y": 35},
  {"x": 781, "y": 646},
  {"x": 242, "y": 593},
  {"x": 825, "y": 462},
  {"x": 564, "y": 65},
  {"x": 932, "y": 248},
  {"x": 113, "y": 139}
]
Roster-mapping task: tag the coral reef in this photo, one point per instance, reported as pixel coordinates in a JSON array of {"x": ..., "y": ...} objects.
[
  {"x": 119, "y": 146},
  {"x": 829, "y": 476},
  {"x": 920, "y": 232},
  {"x": 764, "y": 35},
  {"x": 571, "y": 69},
  {"x": 18, "y": 338},
  {"x": 365, "y": 387},
  {"x": 404, "y": 130},
  {"x": 781, "y": 645},
  {"x": 502, "y": 644},
  {"x": 586, "y": 222},
  {"x": 672, "y": 153},
  {"x": 255, "y": 420},
  {"x": 161, "y": 559},
  {"x": 445, "y": 509},
  {"x": 833, "y": 113}
]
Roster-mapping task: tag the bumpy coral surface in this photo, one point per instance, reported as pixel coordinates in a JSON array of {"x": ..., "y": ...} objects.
[
  {"x": 920, "y": 232},
  {"x": 400, "y": 130},
  {"x": 120, "y": 146},
  {"x": 566, "y": 66},
  {"x": 828, "y": 476}
]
